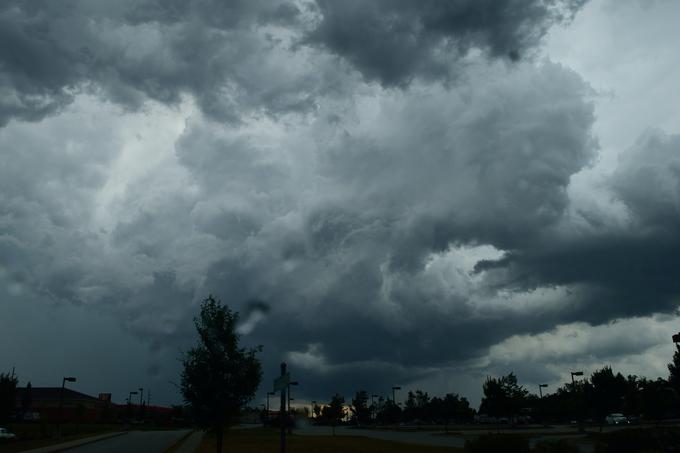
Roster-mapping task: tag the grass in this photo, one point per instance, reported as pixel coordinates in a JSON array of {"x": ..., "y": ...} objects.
[{"x": 260, "y": 440}]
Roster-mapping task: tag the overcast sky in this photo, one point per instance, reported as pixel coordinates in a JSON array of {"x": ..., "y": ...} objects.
[{"x": 417, "y": 193}]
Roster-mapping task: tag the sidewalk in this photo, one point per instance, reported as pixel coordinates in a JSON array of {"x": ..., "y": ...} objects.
[
  {"x": 191, "y": 443},
  {"x": 73, "y": 443}
]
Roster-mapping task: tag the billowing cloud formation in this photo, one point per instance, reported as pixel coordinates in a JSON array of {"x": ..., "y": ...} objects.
[
  {"x": 238, "y": 57},
  {"x": 392, "y": 229},
  {"x": 396, "y": 41},
  {"x": 233, "y": 57}
]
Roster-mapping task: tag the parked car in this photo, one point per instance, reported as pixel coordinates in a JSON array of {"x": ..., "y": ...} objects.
[
  {"x": 6, "y": 434},
  {"x": 616, "y": 419}
]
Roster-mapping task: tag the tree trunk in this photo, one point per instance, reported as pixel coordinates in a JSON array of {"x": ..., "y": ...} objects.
[{"x": 220, "y": 438}]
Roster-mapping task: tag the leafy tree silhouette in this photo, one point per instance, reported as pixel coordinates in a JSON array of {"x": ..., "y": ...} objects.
[
  {"x": 674, "y": 369},
  {"x": 219, "y": 377},
  {"x": 360, "y": 409}
]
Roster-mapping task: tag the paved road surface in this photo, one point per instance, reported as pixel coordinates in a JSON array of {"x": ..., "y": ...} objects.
[{"x": 134, "y": 441}]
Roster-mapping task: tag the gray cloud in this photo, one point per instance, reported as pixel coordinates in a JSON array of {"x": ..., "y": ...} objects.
[
  {"x": 394, "y": 230},
  {"x": 396, "y": 41},
  {"x": 221, "y": 53}
]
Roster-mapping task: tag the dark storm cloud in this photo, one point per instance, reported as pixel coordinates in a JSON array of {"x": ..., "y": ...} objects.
[
  {"x": 352, "y": 269},
  {"x": 396, "y": 41},
  {"x": 239, "y": 58},
  {"x": 357, "y": 213},
  {"x": 623, "y": 272},
  {"x": 132, "y": 51}
]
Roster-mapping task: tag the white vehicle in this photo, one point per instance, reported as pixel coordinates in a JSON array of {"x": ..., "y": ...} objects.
[
  {"x": 616, "y": 419},
  {"x": 6, "y": 434}
]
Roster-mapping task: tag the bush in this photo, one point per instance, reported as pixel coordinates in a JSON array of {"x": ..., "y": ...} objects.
[{"x": 491, "y": 443}]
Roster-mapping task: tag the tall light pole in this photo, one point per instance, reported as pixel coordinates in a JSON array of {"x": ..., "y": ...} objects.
[
  {"x": 540, "y": 386},
  {"x": 268, "y": 395},
  {"x": 141, "y": 395},
  {"x": 290, "y": 424},
  {"x": 573, "y": 386},
  {"x": 289, "y": 398},
  {"x": 396, "y": 387},
  {"x": 61, "y": 400}
]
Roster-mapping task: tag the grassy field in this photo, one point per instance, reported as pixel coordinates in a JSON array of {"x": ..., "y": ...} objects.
[{"x": 258, "y": 440}]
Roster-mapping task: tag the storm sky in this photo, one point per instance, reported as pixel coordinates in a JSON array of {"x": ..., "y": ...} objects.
[{"x": 390, "y": 192}]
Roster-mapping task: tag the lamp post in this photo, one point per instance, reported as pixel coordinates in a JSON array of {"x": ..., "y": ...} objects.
[
  {"x": 141, "y": 395},
  {"x": 61, "y": 400},
  {"x": 313, "y": 404},
  {"x": 290, "y": 422},
  {"x": 396, "y": 387},
  {"x": 573, "y": 386},
  {"x": 373, "y": 406},
  {"x": 268, "y": 395},
  {"x": 540, "y": 386},
  {"x": 289, "y": 398}
]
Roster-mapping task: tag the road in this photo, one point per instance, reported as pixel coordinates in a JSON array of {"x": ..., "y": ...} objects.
[{"x": 133, "y": 441}]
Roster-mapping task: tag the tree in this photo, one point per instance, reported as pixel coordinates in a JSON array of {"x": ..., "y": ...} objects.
[
  {"x": 674, "y": 369},
  {"x": 503, "y": 396},
  {"x": 360, "y": 409},
  {"x": 8, "y": 389},
  {"x": 389, "y": 412},
  {"x": 608, "y": 392},
  {"x": 333, "y": 412},
  {"x": 417, "y": 406},
  {"x": 219, "y": 377}
]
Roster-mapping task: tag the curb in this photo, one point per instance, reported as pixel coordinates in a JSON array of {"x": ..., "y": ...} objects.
[
  {"x": 73, "y": 443},
  {"x": 188, "y": 443},
  {"x": 179, "y": 442}
]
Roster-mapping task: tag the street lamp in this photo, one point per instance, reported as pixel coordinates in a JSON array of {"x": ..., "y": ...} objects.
[
  {"x": 61, "y": 400},
  {"x": 268, "y": 395},
  {"x": 573, "y": 386},
  {"x": 575, "y": 373},
  {"x": 373, "y": 406},
  {"x": 289, "y": 398},
  {"x": 540, "y": 386},
  {"x": 393, "y": 395},
  {"x": 141, "y": 395},
  {"x": 290, "y": 423},
  {"x": 313, "y": 404}
]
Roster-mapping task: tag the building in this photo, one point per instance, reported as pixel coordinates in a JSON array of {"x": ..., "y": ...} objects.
[{"x": 42, "y": 403}]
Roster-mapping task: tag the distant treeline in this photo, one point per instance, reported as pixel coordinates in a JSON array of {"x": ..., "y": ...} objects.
[{"x": 504, "y": 399}]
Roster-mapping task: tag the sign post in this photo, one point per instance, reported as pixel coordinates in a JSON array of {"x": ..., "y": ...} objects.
[{"x": 280, "y": 384}]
